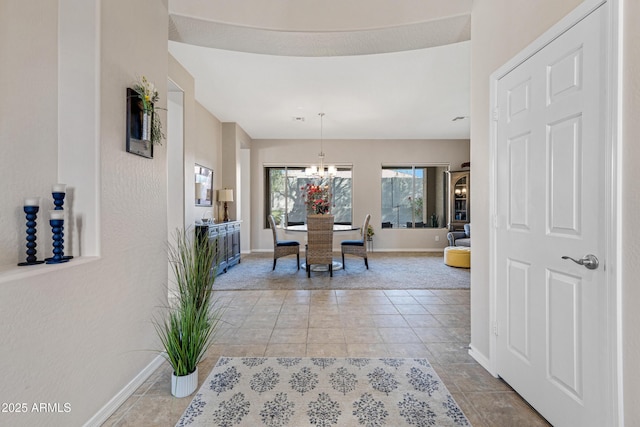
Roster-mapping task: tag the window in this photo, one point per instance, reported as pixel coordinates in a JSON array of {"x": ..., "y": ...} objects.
[
  {"x": 284, "y": 195},
  {"x": 413, "y": 196}
]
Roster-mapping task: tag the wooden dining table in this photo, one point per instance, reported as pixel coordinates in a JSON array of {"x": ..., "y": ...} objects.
[{"x": 302, "y": 228}]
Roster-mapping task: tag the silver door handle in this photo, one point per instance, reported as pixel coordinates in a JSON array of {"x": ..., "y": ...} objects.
[{"x": 589, "y": 261}]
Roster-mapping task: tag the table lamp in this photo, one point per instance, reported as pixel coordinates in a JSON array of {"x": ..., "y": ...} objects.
[{"x": 225, "y": 196}]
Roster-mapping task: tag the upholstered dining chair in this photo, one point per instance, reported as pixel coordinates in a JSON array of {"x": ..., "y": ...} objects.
[
  {"x": 319, "y": 242},
  {"x": 283, "y": 247},
  {"x": 357, "y": 247}
]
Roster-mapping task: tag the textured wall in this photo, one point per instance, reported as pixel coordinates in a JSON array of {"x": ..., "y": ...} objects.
[
  {"x": 28, "y": 120},
  {"x": 207, "y": 146},
  {"x": 79, "y": 333},
  {"x": 630, "y": 206}
]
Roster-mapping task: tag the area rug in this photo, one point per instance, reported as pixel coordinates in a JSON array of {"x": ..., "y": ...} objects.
[
  {"x": 387, "y": 270},
  {"x": 322, "y": 392}
]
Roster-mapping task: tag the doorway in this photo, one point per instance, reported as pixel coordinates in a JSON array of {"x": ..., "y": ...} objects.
[{"x": 175, "y": 166}]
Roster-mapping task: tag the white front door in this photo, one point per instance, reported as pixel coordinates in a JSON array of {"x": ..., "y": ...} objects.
[{"x": 551, "y": 344}]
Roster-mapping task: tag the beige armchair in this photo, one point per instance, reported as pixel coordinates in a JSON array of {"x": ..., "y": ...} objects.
[
  {"x": 283, "y": 247},
  {"x": 319, "y": 242},
  {"x": 357, "y": 247}
]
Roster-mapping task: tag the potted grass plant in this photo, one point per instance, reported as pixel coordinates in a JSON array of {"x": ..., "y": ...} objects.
[{"x": 193, "y": 317}]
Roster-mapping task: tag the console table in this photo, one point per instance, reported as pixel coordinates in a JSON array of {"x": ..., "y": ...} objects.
[{"x": 226, "y": 238}]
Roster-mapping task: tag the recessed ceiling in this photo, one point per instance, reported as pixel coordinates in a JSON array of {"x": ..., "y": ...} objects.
[
  {"x": 397, "y": 82},
  {"x": 403, "y": 95}
]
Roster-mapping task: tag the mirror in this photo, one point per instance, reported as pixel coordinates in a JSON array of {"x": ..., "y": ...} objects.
[{"x": 204, "y": 186}]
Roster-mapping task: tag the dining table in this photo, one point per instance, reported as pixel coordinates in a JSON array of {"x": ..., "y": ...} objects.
[{"x": 302, "y": 228}]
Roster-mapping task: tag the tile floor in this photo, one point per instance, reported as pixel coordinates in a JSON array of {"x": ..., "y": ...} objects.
[{"x": 344, "y": 323}]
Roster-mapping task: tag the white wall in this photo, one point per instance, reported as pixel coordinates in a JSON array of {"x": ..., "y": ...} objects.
[
  {"x": 507, "y": 26},
  {"x": 311, "y": 15},
  {"x": 234, "y": 139},
  {"x": 207, "y": 152},
  {"x": 78, "y": 333},
  {"x": 28, "y": 121},
  {"x": 175, "y": 159},
  {"x": 202, "y": 142},
  {"x": 367, "y": 157},
  {"x": 630, "y": 226},
  {"x": 245, "y": 200}
]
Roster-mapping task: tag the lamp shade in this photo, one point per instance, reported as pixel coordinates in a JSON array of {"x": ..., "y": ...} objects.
[{"x": 225, "y": 195}]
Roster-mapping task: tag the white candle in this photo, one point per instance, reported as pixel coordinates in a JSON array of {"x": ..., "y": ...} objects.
[
  {"x": 32, "y": 201},
  {"x": 59, "y": 188},
  {"x": 59, "y": 214}
]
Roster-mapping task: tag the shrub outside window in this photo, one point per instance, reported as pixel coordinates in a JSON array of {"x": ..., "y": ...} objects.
[
  {"x": 413, "y": 196},
  {"x": 284, "y": 194}
]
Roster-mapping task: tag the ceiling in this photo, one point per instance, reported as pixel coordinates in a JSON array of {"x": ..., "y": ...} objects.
[{"x": 398, "y": 82}]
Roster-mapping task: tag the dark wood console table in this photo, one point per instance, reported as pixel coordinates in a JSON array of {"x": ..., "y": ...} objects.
[{"x": 226, "y": 238}]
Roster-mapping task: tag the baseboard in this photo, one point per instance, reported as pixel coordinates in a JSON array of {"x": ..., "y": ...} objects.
[
  {"x": 481, "y": 359},
  {"x": 409, "y": 250},
  {"x": 107, "y": 410}
]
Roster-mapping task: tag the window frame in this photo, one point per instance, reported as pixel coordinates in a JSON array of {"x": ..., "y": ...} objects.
[
  {"x": 425, "y": 223},
  {"x": 267, "y": 191}
]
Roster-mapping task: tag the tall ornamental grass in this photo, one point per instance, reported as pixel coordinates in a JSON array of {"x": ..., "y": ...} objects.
[{"x": 189, "y": 328}]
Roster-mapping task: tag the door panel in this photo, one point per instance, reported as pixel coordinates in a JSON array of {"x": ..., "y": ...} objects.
[
  {"x": 565, "y": 178},
  {"x": 565, "y": 76},
  {"x": 550, "y": 164},
  {"x": 519, "y": 182},
  {"x": 565, "y": 361},
  {"x": 518, "y": 324}
]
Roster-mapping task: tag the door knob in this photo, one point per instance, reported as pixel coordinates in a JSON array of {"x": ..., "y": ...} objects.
[{"x": 589, "y": 261}]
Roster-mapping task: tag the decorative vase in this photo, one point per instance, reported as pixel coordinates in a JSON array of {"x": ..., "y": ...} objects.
[
  {"x": 146, "y": 125},
  {"x": 184, "y": 385}
]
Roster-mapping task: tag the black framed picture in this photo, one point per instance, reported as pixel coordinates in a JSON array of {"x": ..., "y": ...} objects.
[{"x": 138, "y": 126}]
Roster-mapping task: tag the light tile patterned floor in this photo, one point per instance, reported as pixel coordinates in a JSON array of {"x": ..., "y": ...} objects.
[{"x": 344, "y": 323}]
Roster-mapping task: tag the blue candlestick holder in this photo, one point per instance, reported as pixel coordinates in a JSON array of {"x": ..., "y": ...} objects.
[
  {"x": 58, "y": 200},
  {"x": 57, "y": 227},
  {"x": 31, "y": 214}
]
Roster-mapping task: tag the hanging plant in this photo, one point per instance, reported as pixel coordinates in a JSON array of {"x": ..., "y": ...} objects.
[{"x": 148, "y": 95}]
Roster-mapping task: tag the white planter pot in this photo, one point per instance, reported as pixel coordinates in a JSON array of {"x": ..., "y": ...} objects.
[{"x": 185, "y": 385}]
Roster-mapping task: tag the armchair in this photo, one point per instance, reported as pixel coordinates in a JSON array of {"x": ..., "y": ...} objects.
[
  {"x": 283, "y": 247},
  {"x": 319, "y": 242},
  {"x": 460, "y": 238},
  {"x": 357, "y": 247}
]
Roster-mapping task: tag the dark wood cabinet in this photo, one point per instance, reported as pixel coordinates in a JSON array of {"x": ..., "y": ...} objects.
[
  {"x": 226, "y": 238},
  {"x": 458, "y": 183}
]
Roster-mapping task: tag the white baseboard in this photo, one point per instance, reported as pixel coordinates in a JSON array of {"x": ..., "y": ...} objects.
[
  {"x": 441, "y": 250},
  {"x": 107, "y": 410},
  {"x": 481, "y": 359},
  {"x": 409, "y": 250}
]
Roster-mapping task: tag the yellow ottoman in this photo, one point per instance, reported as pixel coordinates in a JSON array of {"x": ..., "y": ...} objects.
[{"x": 457, "y": 256}]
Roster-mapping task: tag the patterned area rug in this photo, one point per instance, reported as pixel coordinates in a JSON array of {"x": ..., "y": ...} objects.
[
  {"x": 387, "y": 270},
  {"x": 322, "y": 392}
]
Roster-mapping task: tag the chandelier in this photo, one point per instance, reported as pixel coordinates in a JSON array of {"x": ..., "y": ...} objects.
[{"x": 318, "y": 171}]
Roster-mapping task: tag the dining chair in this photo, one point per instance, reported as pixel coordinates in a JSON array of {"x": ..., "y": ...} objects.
[
  {"x": 283, "y": 247},
  {"x": 319, "y": 242},
  {"x": 357, "y": 247}
]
